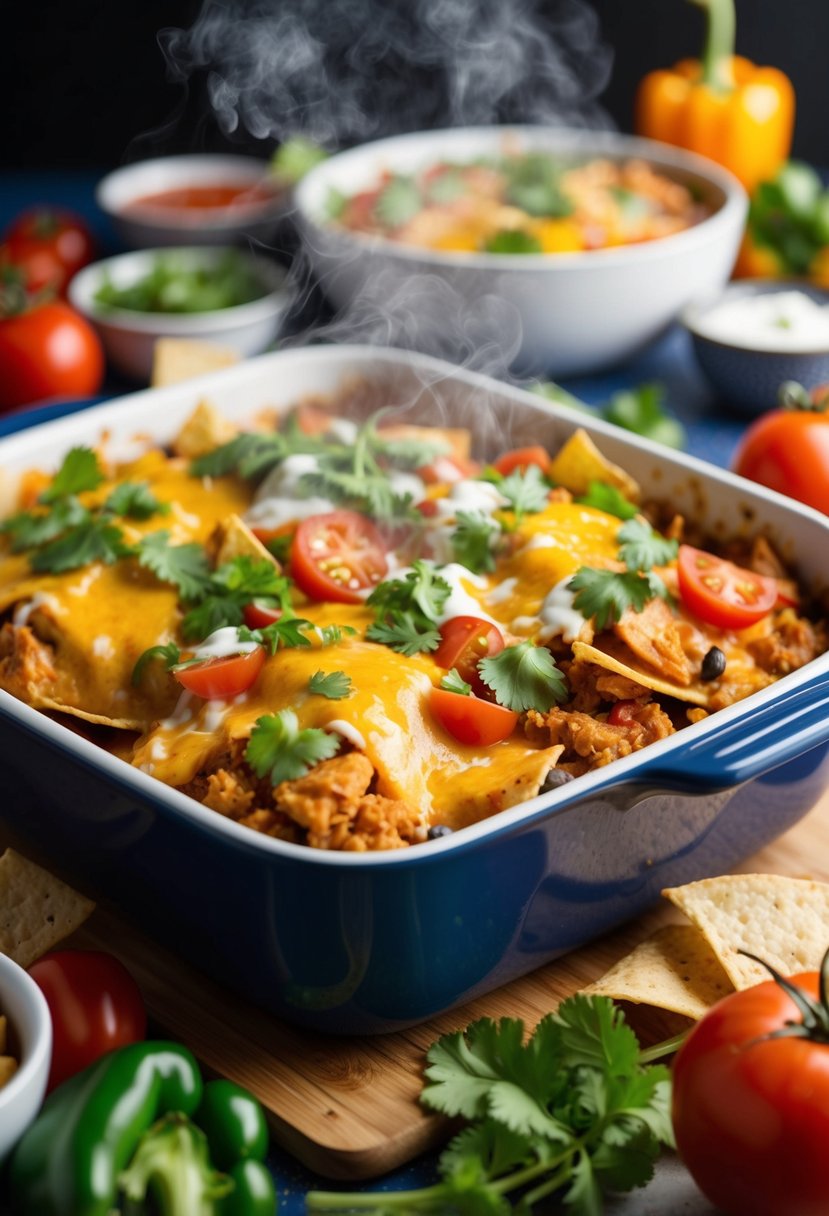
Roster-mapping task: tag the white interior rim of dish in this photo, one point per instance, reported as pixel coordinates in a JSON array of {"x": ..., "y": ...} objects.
[{"x": 359, "y": 167}]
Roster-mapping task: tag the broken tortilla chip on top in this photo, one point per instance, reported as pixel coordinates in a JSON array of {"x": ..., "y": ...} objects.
[
  {"x": 697, "y": 692},
  {"x": 37, "y": 910},
  {"x": 783, "y": 921},
  {"x": 579, "y": 462},
  {"x": 675, "y": 969}
]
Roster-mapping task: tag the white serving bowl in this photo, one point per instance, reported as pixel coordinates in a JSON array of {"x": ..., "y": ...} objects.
[
  {"x": 119, "y": 189},
  {"x": 573, "y": 312},
  {"x": 31, "y": 1037},
  {"x": 129, "y": 337}
]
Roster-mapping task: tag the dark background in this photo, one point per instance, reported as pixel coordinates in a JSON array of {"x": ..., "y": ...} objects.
[{"x": 85, "y": 85}]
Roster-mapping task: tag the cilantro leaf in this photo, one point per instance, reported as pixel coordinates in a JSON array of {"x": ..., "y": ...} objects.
[
  {"x": 254, "y": 453},
  {"x": 185, "y": 566},
  {"x": 446, "y": 186},
  {"x": 404, "y": 633},
  {"x": 28, "y": 530},
  {"x": 472, "y": 541},
  {"x": 398, "y": 202},
  {"x": 524, "y": 677},
  {"x": 526, "y": 491},
  {"x": 512, "y": 240},
  {"x": 93, "y": 540},
  {"x": 641, "y": 410},
  {"x": 219, "y": 598},
  {"x": 408, "y": 610},
  {"x": 335, "y": 203},
  {"x": 332, "y": 635},
  {"x": 606, "y": 595},
  {"x": 642, "y": 548},
  {"x": 533, "y": 185},
  {"x": 169, "y": 653},
  {"x": 278, "y": 749},
  {"x": 79, "y": 471},
  {"x": 335, "y": 685},
  {"x": 286, "y": 633},
  {"x": 453, "y": 682},
  {"x": 605, "y": 497},
  {"x": 135, "y": 500}
]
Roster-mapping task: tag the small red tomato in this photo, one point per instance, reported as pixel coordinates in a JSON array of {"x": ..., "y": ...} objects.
[
  {"x": 471, "y": 720},
  {"x": 521, "y": 459},
  {"x": 338, "y": 556},
  {"x": 259, "y": 614},
  {"x": 222, "y": 678},
  {"x": 46, "y": 350},
  {"x": 622, "y": 713},
  {"x": 724, "y": 595},
  {"x": 465, "y": 640},
  {"x": 788, "y": 450},
  {"x": 444, "y": 470},
  {"x": 751, "y": 1103},
  {"x": 49, "y": 245},
  {"x": 95, "y": 1005}
]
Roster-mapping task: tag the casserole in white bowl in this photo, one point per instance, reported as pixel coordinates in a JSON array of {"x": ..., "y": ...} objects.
[
  {"x": 363, "y": 942},
  {"x": 568, "y": 312}
]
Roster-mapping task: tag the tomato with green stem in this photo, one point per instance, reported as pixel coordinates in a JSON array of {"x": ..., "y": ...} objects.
[
  {"x": 751, "y": 1099},
  {"x": 49, "y": 245},
  {"x": 788, "y": 449}
]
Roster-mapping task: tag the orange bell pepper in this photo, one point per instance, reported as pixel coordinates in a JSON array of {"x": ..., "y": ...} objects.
[{"x": 722, "y": 106}]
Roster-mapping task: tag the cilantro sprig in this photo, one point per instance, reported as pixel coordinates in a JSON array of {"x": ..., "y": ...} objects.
[
  {"x": 607, "y": 498},
  {"x": 524, "y": 677},
  {"x": 279, "y": 750},
  {"x": 606, "y": 595},
  {"x": 526, "y": 491},
  {"x": 473, "y": 539},
  {"x": 335, "y": 685},
  {"x": 572, "y": 1111},
  {"x": 408, "y": 609},
  {"x": 453, "y": 681}
]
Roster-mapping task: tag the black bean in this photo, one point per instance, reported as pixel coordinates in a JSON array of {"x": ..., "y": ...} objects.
[
  {"x": 713, "y": 665},
  {"x": 437, "y": 830},
  {"x": 555, "y": 778}
]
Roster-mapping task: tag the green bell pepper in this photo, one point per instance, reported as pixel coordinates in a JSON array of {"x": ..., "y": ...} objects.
[{"x": 139, "y": 1126}]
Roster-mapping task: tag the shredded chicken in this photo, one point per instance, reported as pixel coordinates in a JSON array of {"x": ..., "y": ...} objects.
[
  {"x": 591, "y": 743},
  {"x": 793, "y": 643},
  {"x": 25, "y": 663}
]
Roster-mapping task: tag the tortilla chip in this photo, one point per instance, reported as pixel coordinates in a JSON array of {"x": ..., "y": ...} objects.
[
  {"x": 233, "y": 538},
  {"x": 675, "y": 970},
  {"x": 784, "y": 921},
  {"x": 457, "y": 441},
  {"x": 177, "y": 359},
  {"x": 8, "y": 1067},
  {"x": 203, "y": 431},
  {"x": 37, "y": 910},
  {"x": 579, "y": 462},
  {"x": 696, "y": 693},
  {"x": 72, "y": 711}
]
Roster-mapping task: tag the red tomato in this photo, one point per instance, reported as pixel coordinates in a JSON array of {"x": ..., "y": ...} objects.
[
  {"x": 751, "y": 1113},
  {"x": 724, "y": 595},
  {"x": 259, "y": 614},
  {"x": 522, "y": 458},
  {"x": 221, "y": 679},
  {"x": 337, "y": 555},
  {"x": 312, "y": 419},
  {"x": 471, "y": 720},
  {"x": 95, "y": 1005},
  {"x": 622, "y": 713},
  {"x": 788, "y": 450},
  {"x": 47, "y": 351},
  {"x": 446, "y": 469},
  {"x": 465, "y": 640},
  {"x": 49, "y": 245}
]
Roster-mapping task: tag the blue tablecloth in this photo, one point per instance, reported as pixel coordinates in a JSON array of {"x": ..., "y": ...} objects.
[{"x": 712, "y": 435}]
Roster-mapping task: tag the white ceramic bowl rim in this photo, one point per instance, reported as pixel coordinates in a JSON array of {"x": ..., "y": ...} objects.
[
  {"x": 694, "y": 313},
  {"x": 123, "y": 186},
  {"x": 84, "y": 284},
  {"x": 39, "y": 1028},
  {"x": 382, "y": 153}
]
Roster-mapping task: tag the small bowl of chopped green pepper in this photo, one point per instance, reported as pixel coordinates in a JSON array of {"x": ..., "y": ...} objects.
[{"x": 225, "y": 296}]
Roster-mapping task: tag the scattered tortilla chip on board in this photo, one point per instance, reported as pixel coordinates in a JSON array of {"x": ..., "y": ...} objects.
[
  {"x": 784, "y": 921},
  {"x": 37, "y": 910},
  {"x": 177, "y": 359},
  {"x": 675, "y": 969},
  {"x": 579, "y": 462}
]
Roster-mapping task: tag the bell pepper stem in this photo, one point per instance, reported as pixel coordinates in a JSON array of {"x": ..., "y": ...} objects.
[{"x": 718, "y": 50}]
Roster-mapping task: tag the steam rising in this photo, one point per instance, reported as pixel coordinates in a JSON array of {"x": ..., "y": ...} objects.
[{"x": 344, "y": 71}]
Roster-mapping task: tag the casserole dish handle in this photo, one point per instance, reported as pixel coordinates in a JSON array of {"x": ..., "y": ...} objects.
[{"x": 762, "y": 740}]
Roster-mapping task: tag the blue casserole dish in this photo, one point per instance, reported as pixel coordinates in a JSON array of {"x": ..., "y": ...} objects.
[{"x": 367, "y": 943}]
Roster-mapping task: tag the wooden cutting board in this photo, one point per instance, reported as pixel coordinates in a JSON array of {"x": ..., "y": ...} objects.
[{"x": 347, "y": 1108}]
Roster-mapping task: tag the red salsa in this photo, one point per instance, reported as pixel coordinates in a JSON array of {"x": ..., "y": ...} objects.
[{"x": 213, "y": 196}]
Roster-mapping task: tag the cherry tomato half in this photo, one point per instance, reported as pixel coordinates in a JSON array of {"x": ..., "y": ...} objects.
[
  {"x": 221, "y": 679},
  {"x": 465, "y": 640},
  {"x": 259, "y": 614},
  {"x": 724, "y": 595},
  {"x": 338, "y": 555},
  {"x": 471, "y": 720},
  {"x": 622, "y": 713},
  {"x": 522, "y": 458},
  {"x": 750, "y": 1112},
  {"x": 95, "y": 1005},
  {"x": 788, "y": 450},
  {"x": 48, "y": 351},
  {"x": 49, "y": 245}
]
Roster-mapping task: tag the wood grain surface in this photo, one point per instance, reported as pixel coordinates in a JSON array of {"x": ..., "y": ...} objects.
[{"x": 347, "y": 1108}]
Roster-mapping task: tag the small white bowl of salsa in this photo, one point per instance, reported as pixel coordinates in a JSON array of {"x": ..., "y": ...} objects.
[{"x": 208, "y": 199}]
